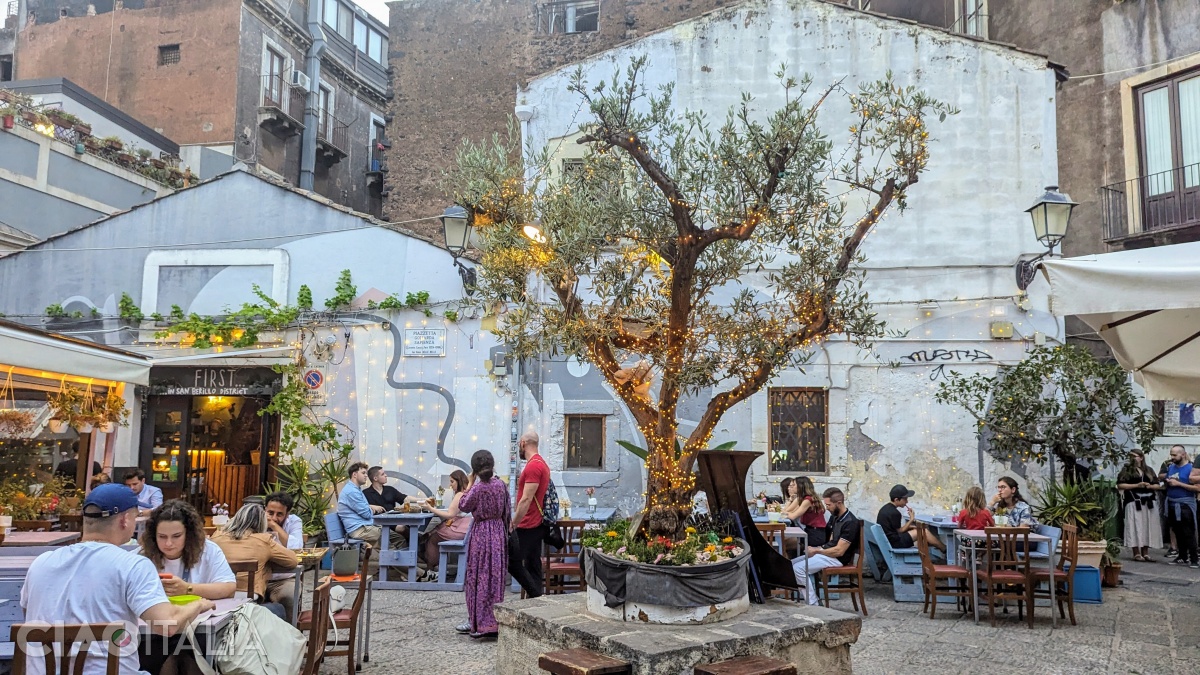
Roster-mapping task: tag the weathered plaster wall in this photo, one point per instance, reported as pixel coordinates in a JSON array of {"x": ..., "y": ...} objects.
[
  {"x": 114, "y": 54},
  {"x": 956, "y": 244}
]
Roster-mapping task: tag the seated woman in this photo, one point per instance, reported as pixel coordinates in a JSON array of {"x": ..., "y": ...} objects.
[
  {"x": 804, "y": 508},
  {"x": 188, "y": 564},
  {"x": 453, "y": 526},
  {"x": 975, "y": 515},
  {"x": 245, "y": 537},
  {"x": 1008, "y": 502}
]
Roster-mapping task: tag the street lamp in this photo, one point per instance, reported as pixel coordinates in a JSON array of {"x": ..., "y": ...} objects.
[
  {"x": 457, "y": 230},
  {"x": 1051, "y": 214}
]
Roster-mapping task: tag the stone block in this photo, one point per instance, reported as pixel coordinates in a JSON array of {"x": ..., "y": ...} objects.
[{"x": 816, "y": 639}]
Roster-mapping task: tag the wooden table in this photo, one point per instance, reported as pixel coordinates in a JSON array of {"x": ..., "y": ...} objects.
[
  {"x": 973, "y": 537},
  {"x": 390, "y": 558},
  {"x": 40, "y": 538}
]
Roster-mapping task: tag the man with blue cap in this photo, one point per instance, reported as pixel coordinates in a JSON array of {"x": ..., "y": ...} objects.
[{"x": 96, "y": 581}]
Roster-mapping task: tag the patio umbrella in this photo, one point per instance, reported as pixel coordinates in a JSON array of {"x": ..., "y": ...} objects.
[{"x": 1145, "y": 304}]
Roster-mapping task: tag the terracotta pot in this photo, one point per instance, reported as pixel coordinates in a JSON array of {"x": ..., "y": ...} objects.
[
  {"x": 1091, "y": 553},
  {"x": 1110, "y": 577},
  {"x": 8, "y": 121}
]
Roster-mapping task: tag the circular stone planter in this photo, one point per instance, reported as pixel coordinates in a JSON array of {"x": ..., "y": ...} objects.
[{"x": 623, "y": 590}]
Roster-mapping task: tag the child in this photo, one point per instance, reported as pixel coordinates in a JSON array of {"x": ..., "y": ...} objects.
[{"x": 975, "y": 515}]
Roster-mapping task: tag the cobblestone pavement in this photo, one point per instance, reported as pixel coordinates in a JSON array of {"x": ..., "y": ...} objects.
[{"x": 1150, "y": 625}]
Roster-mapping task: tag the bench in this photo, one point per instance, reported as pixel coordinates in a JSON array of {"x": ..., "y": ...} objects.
[
  {"x": 747, "y": 665},
  {"x": 582, "y": 662},
  {"x": 903, "y": 565},
  {"x": 457, "y": 548}
]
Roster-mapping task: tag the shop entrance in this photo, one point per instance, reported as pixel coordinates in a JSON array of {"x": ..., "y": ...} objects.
[{"x": 210, "y": 448}]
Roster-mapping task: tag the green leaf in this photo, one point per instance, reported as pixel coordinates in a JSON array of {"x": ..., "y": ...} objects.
[
  {"x": 640, "y": 452},
  {"x": 725, "y": 446}
]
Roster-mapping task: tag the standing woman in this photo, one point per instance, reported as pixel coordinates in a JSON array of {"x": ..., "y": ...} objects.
[
  {"x": 453, "y": 527},
  {"x": 487, "y": 553},
  {"x": 1138, "y": 484}
]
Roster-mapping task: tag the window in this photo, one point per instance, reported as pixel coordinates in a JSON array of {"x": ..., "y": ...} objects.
[
  {"x": 345, "y": 24},
  {"x": 274, "y": 79},
  {"x": 797, "y": 419},
  {"x": 360, "y": 35},
  {"x": 168, "y": 55},
  {"x": 585, "y": 441},
  {"x": 330, "y": 13},
  {"x": 1169, "y": 149},
  {"x": 375, "y": 46},
  {"x": 568, "y": 16},
  {"x": 970, "y": 17},
  {"x": 324, "y": 110},
  {"x": 6, "y": 68},
  {"x": 571, "y": 168}
]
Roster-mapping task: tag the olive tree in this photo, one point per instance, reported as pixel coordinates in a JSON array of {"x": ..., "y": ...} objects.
[{"x": 716, "y": 254}]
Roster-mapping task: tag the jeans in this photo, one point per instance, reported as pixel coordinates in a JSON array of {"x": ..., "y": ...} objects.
[
  {"x": 816, "y": 563},
  {"x": 526, "y": 566},
  {"x": 1183, "y": 524}
]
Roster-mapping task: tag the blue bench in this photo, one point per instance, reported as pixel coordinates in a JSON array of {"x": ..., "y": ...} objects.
[
  {"x": 903, "y": 566},
  {"x": 457, "y": 548}
]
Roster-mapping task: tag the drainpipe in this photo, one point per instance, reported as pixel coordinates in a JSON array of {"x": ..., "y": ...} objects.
[{"x": 312, "y": 68}]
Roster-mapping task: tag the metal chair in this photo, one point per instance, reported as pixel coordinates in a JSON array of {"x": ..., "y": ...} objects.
[
  {"x": 1062, "y": 574},
  {"x": 57, "y": 643},
  {"x": 957, "y": 577},
  {"x": 1006, "y": 574},
  {"x": 850, "y": 577}
]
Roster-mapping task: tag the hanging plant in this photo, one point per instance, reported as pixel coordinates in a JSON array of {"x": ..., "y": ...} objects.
[
  {"x": 110, "y": 412},
  {"x": 14, "y": 423}
]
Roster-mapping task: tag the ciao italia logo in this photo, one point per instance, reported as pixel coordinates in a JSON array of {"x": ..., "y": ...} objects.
[{"x": 41, "y": 639}]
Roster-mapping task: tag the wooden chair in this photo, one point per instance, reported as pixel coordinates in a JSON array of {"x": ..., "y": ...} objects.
[
  {"x": 1005, "y": 576},
  {"x": 746, "y": 665},
  {"x": 850, "y": 577},
  {"x": 1061, "y": 574},
  {"x": 558, "y": 565},
  {"x": 457, "y": 548},
  {"x": 774, "y": 532},
  {"x": 957, "y": 577},
  {"x": 57, "y": 643},
  {"x": 250, "y": 569},
  {"x": 347, "y": 618},
  {"x": 581, "y": 661},
  {"x": 71, "y": 523},
  {"x": 33, "y": 525},
  {"x": 318, "y": 631}
]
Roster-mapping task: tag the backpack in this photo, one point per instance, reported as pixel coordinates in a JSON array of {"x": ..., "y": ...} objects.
[
  {"x": 550, "y": 507},
  {"x": 255, "y": 642}
]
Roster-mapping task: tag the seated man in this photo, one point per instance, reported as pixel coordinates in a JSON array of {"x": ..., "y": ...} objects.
[
  {"x": 841, "y": 542},
  {"x": 890, "y": 520},
  {"x": 95, "y": 581},
  {"x": 384, "y": 498},
  {"x": 148, "y": 496},
  {"x": 356, "y": 513},
  {"x": 286, "y": 528}
]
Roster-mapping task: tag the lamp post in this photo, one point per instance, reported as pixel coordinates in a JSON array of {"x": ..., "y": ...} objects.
[
  {"x": 456, "y": 231},
  {"x": 1051, "y": 214}
]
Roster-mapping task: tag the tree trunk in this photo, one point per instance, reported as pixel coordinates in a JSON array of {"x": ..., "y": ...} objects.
[{"x": 668, "y": 493}]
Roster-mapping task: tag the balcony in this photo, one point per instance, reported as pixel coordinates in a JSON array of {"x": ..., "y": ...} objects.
[
  {"x": 332, "y": 135},
  {"x": 1152, "y": 210},
  {"x": 282, "y": 109}
]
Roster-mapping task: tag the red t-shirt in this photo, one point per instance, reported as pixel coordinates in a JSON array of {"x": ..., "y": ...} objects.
[
  {"x": 981, "y": 520},
  {"x": 536, "y": 471}
]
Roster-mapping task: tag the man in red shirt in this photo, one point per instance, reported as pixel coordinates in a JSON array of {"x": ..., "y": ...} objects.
[{"x": 526, "y": 566}]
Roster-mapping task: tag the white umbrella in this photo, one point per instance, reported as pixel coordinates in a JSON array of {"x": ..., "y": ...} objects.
[{"x": 1145, "y": 304}]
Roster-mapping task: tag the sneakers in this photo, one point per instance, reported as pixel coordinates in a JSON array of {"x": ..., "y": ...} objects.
[
  {"x": 1171, "y": 553},
  {"x": 463, "y": 628}
]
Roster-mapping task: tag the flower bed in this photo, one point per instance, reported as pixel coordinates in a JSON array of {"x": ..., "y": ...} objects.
[{"x": 696, "y": 548}]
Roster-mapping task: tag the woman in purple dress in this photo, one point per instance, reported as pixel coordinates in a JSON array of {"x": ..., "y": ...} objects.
[{"x": 487, "y": 551}]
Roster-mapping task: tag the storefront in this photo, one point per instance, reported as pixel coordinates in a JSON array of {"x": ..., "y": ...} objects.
[{"x": 203, "y": 439}]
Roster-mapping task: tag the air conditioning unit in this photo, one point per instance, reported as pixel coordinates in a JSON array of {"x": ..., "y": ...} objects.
[{"x": 300, "y": 80}]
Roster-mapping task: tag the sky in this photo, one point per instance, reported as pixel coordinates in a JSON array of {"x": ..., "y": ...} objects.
[{"x": 377, "y": 8}]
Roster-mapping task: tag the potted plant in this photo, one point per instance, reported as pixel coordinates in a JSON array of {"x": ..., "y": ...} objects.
[
  {"x": 15, "y": 423},
  {"x": 144, "y": 155},
  {"x": 65, "y": 408},
  {"x": 1085, "y": 505},
  {"x": 34, "y": 117},
  {"x": 113, "y": 143},
  {"x": 1110, "y": 565},
  {"x": 8, "y": 114},
  {"x": 111, "y": 412}
]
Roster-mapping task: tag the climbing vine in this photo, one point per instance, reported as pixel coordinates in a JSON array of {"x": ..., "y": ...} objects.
[
  {"x": 344, "y": 293},
  {"x": 239, "y": 328}
]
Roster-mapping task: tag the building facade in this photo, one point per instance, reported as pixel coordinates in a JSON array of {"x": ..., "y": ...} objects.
[
  {"x": 941, "y": 273},
  {"x": 296, "y": 90}
]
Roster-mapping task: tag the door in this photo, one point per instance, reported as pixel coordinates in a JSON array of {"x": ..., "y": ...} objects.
[
  {"x": 165, "y": 450},
  {"x": 1170, "y": 152}
]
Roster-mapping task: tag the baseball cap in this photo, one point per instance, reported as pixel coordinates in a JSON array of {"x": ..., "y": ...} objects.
[
  {"x": 109, "y": 499},
  {"x": 900, "y": 492}
]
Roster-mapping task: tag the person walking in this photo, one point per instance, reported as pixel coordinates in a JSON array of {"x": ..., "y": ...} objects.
[
  {"x": 1180, "y": 479},
  {"x": 527, "y": 522},
  {"x": 486, "y": 499},
  {"x": 1139, "y": 485}
]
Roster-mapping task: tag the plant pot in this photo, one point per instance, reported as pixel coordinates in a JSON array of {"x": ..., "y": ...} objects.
[
  {"x": 108, "y": 427},
  {"x": 623, "y": 590},
  {"x": 5, "y": 522},
  {"x": 85, "y": 129},
  {"x": 114, "y": 145},
  {"x": 220, "y": 521},
  {"x": 58, "y": 426},
  {"x": 1091, "y": 553},
  {"x": 774, "y": 516},
  {"x": 1110, "y": 577},
  {"x": 85, "y": 427},
  {"x": 9, "y": 121},
  {"x": 80, "y": 148},
  {"x": 31, "y": 117}
]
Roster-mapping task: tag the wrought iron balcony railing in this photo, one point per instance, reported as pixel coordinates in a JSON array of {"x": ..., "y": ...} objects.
[{"x": 1160, "y": 201}]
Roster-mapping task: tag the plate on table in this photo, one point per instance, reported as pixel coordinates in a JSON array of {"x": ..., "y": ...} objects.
[{"x": 307, "y": 555}]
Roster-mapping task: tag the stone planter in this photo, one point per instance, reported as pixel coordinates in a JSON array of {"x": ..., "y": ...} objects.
[
  {"x": 623, "y": 590},
  {"x": 1091, "y": 552}
]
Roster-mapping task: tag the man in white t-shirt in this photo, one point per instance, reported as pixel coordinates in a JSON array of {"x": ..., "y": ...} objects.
[{"x": 95, "y": 581}]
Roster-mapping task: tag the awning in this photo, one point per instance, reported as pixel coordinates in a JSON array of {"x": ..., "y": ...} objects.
[
  {"x": 51, "y": 356},
  {"x": 1146, "y": 305}
]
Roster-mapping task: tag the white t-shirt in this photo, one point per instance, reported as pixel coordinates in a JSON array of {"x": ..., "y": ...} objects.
[
  {"x": 92, "y": 582},
  {"x": 213, "y": 568}
]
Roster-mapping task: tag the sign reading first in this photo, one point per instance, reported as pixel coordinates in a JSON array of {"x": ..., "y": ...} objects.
[{"x": 425, "y": 342}]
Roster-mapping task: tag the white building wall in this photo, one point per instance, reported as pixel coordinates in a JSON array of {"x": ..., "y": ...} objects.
[{"x": 957, "y": 243}]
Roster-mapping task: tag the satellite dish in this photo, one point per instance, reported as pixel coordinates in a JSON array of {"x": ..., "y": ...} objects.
[{"x": 578, "y": 368}]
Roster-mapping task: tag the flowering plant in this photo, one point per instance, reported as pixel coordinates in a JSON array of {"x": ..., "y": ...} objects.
[
  {"x": 220, "y": 509},
  {"x": 695, "y": 548},
  {"x": 591, "y": 492}
]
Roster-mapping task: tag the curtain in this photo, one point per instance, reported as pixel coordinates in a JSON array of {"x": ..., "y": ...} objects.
[
  {"x": 1156, "y": 130},
  {"x": 1189, "y": 129}
]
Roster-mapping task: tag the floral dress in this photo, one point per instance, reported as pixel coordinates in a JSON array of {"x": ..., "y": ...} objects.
[{"x": 487, "y": 551}]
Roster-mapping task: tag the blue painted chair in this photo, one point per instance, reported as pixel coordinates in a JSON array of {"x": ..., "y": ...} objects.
[
  {"x": 904, "y": 566},
  {"x": 457, "y": 548},
  {"x": 335, "y": 533}
]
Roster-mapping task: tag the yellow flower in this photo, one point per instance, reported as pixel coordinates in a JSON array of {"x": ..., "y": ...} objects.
[
  {"x": 727, "y": 540},
  {"x": 610, "y": 533},
  {"x": 710, "y": 549},
  {"x": 690, "y": 530}
]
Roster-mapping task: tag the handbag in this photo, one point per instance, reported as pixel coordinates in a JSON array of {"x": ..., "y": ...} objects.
[
  {"x": 256, "y": 642},
  {"x": 345, "y": 561}
]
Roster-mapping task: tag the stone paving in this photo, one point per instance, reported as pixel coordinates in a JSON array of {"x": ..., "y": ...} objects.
[{"x": 1149, "y": 625}]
